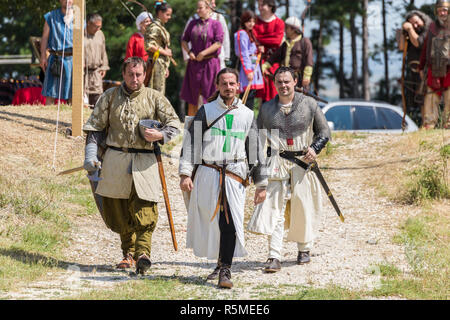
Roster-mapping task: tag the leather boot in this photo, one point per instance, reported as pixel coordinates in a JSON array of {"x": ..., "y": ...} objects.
[
  {"x": 213, "y": 275},
  {"x": 224, "y": 278},
  {"x": 272, "y": 265},
  {"x": 127, "y": 262},
  {"x": 303, "y": 257},
  {"x": 143, "y": 263}
]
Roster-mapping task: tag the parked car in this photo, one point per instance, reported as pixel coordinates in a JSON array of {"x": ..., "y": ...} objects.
[{"x": 366, "y": 116}]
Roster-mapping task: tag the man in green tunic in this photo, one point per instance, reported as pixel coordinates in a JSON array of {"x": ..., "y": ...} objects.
[{"x": 129, "y": 184}]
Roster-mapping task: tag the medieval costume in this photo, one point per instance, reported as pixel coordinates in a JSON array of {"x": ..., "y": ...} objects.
[
  {"x": 59, "y": 42},
  {"x": 129, "y": 182},
  {"x": 292, "y": 191},
  {"x": 224, "y": 54},
  {"x": 158, "y": 36},
  {"x": 269, "y": 34},
  {"x": 135, "y": 45},
  {"x": 213, "y": 233},
  {"x": 247, "y": 51},
  {"x": 296, "y": 53},
  {"x": 96, "y": 61},
  {"x": 434, "y": 61},
  {"x": 200, "y": 75},
  {"x": 414, "y": 98}
]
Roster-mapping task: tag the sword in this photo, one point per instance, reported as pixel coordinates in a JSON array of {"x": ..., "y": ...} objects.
[{"x": 314, "y": 167}]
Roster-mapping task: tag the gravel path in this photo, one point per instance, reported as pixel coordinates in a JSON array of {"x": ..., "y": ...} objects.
[{"x": 345, "y": 254}]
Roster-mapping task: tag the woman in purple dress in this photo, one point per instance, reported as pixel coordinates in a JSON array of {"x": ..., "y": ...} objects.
[
  {"x": 245, "y": 47},
  {"x": 205, "y": 36}
]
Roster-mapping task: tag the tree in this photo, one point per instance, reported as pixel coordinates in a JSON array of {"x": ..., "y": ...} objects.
[{"x": 365, "y": 53}]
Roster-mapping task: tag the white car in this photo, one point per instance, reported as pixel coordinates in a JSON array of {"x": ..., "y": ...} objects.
[{"x": 366, "y": 116}]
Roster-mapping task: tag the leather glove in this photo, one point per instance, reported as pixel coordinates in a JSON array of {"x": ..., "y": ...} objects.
[{"x": 91, "y": 162}]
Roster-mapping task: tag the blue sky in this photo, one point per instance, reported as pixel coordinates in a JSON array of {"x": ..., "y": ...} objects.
[{"x": 394, "y": 19}]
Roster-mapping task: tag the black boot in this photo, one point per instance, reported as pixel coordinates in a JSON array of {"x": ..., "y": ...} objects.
[
  {"x": 143, "y": 263},
  {"x": 224, "y": 278},
  {"x": 303, "y": 257}
]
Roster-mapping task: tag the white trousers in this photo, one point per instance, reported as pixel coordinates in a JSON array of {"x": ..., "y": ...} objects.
[{"x": 276, "y": 239}]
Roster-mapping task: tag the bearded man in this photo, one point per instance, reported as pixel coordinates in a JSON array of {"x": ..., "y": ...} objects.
[
  {"x": 224, "y": 134},
  {"x": 434, "y": 67},
  {"x": 294, "y": 124},
  {"x": 129, "y": 184},
  {"x": 415, "y": 29}
]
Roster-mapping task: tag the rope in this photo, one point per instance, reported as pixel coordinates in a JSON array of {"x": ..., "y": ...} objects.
[{"x": 59, "y": 91}]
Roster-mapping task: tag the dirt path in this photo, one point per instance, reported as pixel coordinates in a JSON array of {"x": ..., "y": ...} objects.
[{"x": 345, "y": 255}]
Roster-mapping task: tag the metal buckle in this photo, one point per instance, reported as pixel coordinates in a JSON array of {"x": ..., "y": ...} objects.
[{"x": 125, "y": 150}]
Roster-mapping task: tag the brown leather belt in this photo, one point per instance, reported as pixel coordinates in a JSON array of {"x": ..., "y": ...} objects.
[
  {"x": 60, "y": 53},
  {"x": 222, "y": 200}
]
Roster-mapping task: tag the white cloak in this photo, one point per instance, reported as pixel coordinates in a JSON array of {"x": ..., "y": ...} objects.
[{"x": 203, "y": 235}]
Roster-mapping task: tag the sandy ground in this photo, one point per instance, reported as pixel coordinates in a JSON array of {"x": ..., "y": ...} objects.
[{"x": 345, "y": 254}]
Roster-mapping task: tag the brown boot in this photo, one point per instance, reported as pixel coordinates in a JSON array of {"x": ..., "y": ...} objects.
[
  {"x": 127, "y": 262},
  {"x": 213, "y": 275},
  {"x": 224, "y": 278},
  {"x": 143, "y": 263}
]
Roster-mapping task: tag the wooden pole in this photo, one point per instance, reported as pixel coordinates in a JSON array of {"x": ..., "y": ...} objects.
[{"x": 77, "y": 73}]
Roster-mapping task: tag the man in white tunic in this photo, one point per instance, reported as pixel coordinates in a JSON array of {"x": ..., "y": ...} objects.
[
  {"x": 294, "y": 124},
  {"x": 216, "y": 181}
]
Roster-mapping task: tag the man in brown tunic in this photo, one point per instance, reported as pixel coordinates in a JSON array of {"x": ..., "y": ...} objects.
[
  {"x": 129, "y": 185},
  {"x": 96, "y": 59},
  {"x": 295, "y": 52}
]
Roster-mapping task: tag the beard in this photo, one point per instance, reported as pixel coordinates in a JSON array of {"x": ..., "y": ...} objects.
[
  {"x": 443, "y": 20},
  {"x": 420, "y": 30}
]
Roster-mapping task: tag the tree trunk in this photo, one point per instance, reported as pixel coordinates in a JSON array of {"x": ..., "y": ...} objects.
[
  {"x": 365, "y": 62},
  {"x": 341, "y": 61},
  {"x": 353, "y": 33},
  {"x": 319, "y": 51},
  {"x": 251, "y": 5},
  {"x": 287, "y": 4},
  {"x": 386, "y": 56}
]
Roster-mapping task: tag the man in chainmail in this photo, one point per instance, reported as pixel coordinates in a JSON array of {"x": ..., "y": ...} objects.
[
  {"x": 290, "y": 123},
  {"x": 129, "y": 184}
]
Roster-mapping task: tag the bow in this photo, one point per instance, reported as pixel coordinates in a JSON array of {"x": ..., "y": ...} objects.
[{"x": 303, "y": 17}]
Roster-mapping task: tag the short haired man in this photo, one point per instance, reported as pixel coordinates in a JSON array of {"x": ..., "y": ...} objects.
[
  {"x": 293, "y": 123},
  {"x": 96, "y": 59},
  {"x": 228, "y": 145},
  {"x": 129, "y": 184}
]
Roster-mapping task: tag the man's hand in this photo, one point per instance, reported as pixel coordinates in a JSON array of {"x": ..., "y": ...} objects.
[
  {"x": 306, "y": 83},
  {"x": 407, "y": 26},
  {"x": 152, "y": 135},
  {"x": 186, "y": 184},
  {"x": 260, "y": 196},
  {"x": 310, "y": 155},
  {"x": 250, "y": 77},
  {"x": 43, "y": 63}
]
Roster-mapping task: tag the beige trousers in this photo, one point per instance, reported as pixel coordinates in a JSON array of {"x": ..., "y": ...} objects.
[{"x": 430, "y": 109}]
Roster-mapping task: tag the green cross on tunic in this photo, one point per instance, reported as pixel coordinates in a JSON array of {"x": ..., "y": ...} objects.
[{"x": 227, "y": 133}]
